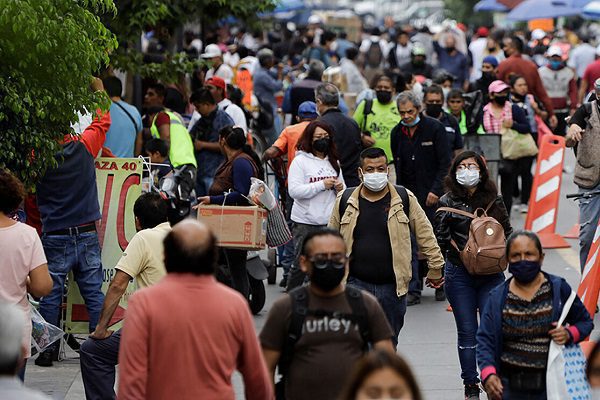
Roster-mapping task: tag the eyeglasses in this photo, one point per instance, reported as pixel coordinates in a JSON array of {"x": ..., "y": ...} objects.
[
  {"x": 470, "y": 167},
  {"x": 320, "y": 259}
]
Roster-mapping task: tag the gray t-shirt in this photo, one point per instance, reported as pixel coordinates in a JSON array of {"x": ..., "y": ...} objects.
[{"x": 328, "y": 348}]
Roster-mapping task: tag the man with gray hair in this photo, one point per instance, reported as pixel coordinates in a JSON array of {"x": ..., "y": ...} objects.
[
  {"x": 12, "y": 328},
  {"x": 422, "y": 158},
  {"x": 303, "y": 90},
  {"x": 346, "y": 136},
  {"x": 265, "y": 87}
]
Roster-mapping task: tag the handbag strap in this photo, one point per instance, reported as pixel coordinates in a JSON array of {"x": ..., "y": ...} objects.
[
  {"x": 566, "y": 308},
  {"x": 457, "y": 211}
]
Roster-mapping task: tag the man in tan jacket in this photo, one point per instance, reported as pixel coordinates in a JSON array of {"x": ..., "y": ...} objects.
[{"x": 376, "y": 224}]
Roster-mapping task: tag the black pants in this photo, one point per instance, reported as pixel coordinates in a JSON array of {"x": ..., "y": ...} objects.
[
  {"x": 236, "y": 260},
  {"x": 523, "y": 170},
  {"x": 561, "y": 127},
  {"x": 296, "y": 277}
]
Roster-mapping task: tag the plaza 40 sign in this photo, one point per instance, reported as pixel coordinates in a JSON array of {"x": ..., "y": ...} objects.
[{"x": 119, "y": 186}]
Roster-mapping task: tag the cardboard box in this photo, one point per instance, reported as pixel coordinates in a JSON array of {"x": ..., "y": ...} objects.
[{"x": 236, "y": 227}]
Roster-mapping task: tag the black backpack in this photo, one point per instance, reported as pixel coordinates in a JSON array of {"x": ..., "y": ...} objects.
[
  {"x": 300, "y": 311},
  {"x": 401, "y": 190},
  {"x": 374, "y": 55}
]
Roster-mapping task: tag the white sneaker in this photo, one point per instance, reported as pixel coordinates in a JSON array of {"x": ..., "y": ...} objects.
[{"x": 523, "y": 208}]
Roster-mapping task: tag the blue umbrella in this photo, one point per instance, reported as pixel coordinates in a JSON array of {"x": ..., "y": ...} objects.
[
  {"x": 536, "y": 9},
  {"x": 489, "y": 5},
  {"x": 592, "y": 10}
]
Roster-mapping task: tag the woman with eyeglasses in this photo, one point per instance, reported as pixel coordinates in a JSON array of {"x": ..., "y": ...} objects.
[
  {"x": 520, "y": 321},
  {"x": 314, "y": 180},
  {"x": 469, "y": 188}
]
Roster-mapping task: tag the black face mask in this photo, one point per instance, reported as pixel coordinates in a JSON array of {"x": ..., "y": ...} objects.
[
  {"x": 433, "y": 110},
  {"x": 328, "y": 275},
  {"x": 418, "y": 63},
  {"x": 383, "y": 96},
  {"x": 500, "y": 100},
  {"x": 517, "y": 97},
  {"x": 450, "y": 49},
  {"x": 506, "y": 54},
  {"x": 492, "y": 49},
  {"x": 321, "y": 145},
  {"x": 524, "y": 271},
  {"x": 488, "y": 76}
]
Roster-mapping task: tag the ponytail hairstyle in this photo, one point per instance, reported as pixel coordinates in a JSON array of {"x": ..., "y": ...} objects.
[{"x": 236, "y": 139}]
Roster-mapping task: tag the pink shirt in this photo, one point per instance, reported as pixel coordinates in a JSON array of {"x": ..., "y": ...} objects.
[
  {"x": 22, "y": 252},
  {"x": 183, "y": 338}
]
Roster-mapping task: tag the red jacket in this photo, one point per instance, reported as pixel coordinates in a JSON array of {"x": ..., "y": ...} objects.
[{"x": 517, "y": 65}]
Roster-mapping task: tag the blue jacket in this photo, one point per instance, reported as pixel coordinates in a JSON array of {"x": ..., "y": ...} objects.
[{"x": 489, "y": 334}]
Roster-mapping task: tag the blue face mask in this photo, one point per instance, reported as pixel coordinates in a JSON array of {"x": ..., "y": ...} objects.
[
  {"x": 555, "y": 64},
  {"x": 524, "y": 271},
  {"x": 415, "y": 122}
]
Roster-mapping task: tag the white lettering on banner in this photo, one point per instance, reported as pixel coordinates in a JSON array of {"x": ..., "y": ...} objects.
[
  {"x": 547, "y": 188},
  {"x": 552, "y": 161},
  {"x": 327, "y": 324},
  {"x": 543, "y": 221}
]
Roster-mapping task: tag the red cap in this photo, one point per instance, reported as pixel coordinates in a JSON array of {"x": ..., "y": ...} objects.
[
  {"x": 461, "y": 26},
  {"x": 217, "y": 81},
  {"x": 482, "y": 31}
]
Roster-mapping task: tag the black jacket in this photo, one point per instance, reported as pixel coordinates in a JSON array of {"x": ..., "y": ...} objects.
[
  {"x": 426, "y": 69},
  {"x": 449, "y": 226},
  {"x": 347, "y": 141},
  {"x": 421, "y": 161}
]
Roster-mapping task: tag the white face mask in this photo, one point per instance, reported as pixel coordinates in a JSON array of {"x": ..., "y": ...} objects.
[
  {"x": 375, "y": 181},
  {"x": 468, "y": 178}
]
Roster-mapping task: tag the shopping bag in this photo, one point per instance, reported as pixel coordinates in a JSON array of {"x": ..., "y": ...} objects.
[
  {"x": 515, "y": 145},
  {"x": 565, "y": 375},
  {"x": 278, "y": 232},
  {"x": 43, "y": 333}
]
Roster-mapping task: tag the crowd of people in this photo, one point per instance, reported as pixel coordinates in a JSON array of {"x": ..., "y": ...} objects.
[{"x": 379, "y": 190}]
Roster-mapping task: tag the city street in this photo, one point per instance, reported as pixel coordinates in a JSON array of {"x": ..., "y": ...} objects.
[{"x": 428, "y": 339}]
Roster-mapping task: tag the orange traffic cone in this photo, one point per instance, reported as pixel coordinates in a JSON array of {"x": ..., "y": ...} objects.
[{"x": 545, "y": 192}]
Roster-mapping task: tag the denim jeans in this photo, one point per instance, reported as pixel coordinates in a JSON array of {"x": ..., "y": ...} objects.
[
  {"x": 589, "y": 212},
  {"x": 80, "y": 254},
  {"x": 393, "y": 306},
  {"x": 508, "y": 394},
  {"x": 98, "y": 359},
  {"x": 467, "y": 294},
  {"x": 415, "y": 286}
]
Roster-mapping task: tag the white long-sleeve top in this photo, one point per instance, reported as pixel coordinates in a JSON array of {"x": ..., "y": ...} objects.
[{"x": 312, "y": 202}]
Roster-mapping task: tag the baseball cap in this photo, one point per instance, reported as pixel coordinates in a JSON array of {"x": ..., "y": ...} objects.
[
  {"x": 418, "y": 50},
  {"x": 482, "y": 31},
  {"x": 308, "y": 109},
  {"x": 217, "y": 81},
  {"x": 554, "y": 51},
  {"x": 538, "y": 34},
  {"x": 490, "y": 60},
  {"x": 211, "y": 51},
  {"x": 497, "y": 86}
]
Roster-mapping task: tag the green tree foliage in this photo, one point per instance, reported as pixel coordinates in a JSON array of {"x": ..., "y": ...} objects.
[
  {"x": 462, "y": 11},
  {"x": 134, "y": 16},
  {"x": 49, "y": 50}
]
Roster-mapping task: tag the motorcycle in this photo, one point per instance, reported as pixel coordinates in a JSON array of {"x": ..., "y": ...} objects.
[{"x": 257, "y": 271}]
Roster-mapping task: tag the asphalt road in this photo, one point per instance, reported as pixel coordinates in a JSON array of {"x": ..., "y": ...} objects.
[{"x": 427, "y": 341}]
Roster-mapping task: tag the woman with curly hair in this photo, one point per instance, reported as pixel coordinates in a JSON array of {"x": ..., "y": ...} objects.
[{"x": 24, "y": 268}]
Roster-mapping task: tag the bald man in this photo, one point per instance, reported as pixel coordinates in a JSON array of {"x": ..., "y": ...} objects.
[{"x": 184, "y": 336}]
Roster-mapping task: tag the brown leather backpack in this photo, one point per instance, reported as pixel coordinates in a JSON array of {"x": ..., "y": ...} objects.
[{"x": 485, "y": 250}]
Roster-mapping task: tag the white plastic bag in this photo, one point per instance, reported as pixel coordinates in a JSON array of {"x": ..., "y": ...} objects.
[
  {"x": 43, "y": 333},
  {"x": 261, "y": 195},
  {"x": 565, "y": 375}
]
